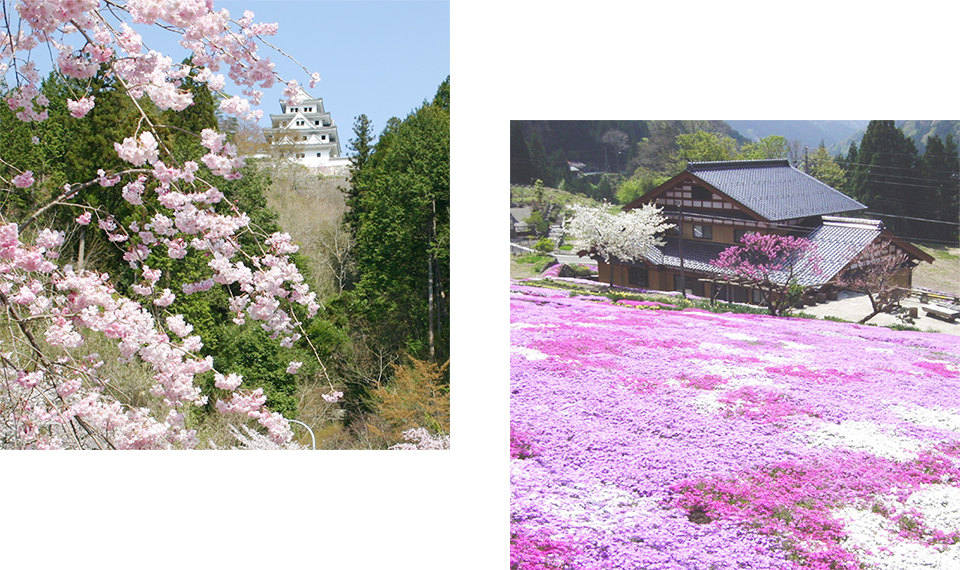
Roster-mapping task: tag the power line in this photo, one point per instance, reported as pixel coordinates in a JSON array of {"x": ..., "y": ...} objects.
[{"x": 912, "y": 218}]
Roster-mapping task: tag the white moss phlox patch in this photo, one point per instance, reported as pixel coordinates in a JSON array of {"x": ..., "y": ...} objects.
[
  {"x": 529, "y": 353},
  {"x": 865, "y": 436},
  {"x": 942, "y": 419},
  {"x": 875, "y": 540}
]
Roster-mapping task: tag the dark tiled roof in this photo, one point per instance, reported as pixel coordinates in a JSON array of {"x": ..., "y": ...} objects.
[
  {"x": 697, "y": 255},
  {"x": 837, "y": 242},
  {"x": 774, "y": 189}
]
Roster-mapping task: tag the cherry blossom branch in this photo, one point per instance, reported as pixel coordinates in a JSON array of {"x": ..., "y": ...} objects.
[{"x": 71, "y": 192}]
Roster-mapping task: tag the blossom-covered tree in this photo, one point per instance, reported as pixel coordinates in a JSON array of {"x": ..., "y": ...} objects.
[
  {"x": 875, "y": 272},
  {"x": 623, "y": 236},
  {"x": 54, "y": 394},
  {"x": 770, "y": 263}
]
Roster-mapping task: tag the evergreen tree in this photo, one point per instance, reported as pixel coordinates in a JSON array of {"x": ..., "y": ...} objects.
[
  {"x": 884, "y": 178},
  {"x": 402, "y": 241},
  {"x": 362, "y": 145},
  {"x": 521, "y": 166},
  {"x": 201, "y": 115},
  {"x": 538, "y": 160},
  {"x": 940, "y": 168}
]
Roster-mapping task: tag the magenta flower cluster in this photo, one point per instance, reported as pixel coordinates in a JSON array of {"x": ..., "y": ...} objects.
[
  {"x": 759, "y": 256},
  {"x": 690, "y": 439},
  {"x": 537, "y": 550}
]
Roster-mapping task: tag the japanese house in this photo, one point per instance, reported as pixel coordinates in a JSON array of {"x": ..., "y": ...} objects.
[{"x": 714, "y": 204}]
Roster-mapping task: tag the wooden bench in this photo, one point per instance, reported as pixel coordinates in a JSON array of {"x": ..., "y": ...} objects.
[{"x": 941, "y": 312}]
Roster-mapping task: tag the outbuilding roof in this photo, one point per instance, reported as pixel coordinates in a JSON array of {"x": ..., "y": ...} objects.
[
  {"x": 773, "y": 188},
  {"x": 836, "y": 243}
]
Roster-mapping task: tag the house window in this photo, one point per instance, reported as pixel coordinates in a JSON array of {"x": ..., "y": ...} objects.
[
  {"x": 638, "y": 276},
  {"x": 693, "y": 285},
  {"x": 318, "y": 155},
  {"x": 299, "y": 123},
  {"x": 323, "y": 137},
  {"x": 702, "y": 232},
  {"x": 738, "y": 235},
  {"x": 701, "y": 193},
  {"x": 316, "y": 122}
]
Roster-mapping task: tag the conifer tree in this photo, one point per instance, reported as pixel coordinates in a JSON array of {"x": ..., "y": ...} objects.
[
  {"x": 883, "y": 177},
  {"x": 521, "y": 167},
  {"x": 362, "y": 144},
  {"x": 940, "y": 168},
  {"x": 402, "y": 241}
]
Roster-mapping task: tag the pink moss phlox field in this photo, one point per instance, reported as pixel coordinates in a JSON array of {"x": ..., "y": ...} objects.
[
  {"x": 537, "y": 550},
  {"x": 552, "y": 271},
  {"x": 792, "y": 499},
  {"x": 690, "y": 439},
  {"x": 520, "y": 445}
]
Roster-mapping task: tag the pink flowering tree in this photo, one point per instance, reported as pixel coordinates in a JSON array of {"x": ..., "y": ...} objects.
[
  {"x": 877, "y": 271},
  {"x": 54, "y": 393},
  {"x": 624, "y": 236},
  {"x": 771, "y": 263}
]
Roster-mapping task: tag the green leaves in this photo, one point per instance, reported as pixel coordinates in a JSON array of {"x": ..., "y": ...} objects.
[{"x": 402, "y": 236}]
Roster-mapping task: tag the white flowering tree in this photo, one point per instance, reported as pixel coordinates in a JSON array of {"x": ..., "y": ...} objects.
[
  {"x": 53, "y": 393},
  {"x": 624, "y": 236}
]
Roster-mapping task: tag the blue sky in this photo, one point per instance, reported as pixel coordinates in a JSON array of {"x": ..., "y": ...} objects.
[
  {"x": 378, "y": 58},
  {"x": 382, "y": 59}
]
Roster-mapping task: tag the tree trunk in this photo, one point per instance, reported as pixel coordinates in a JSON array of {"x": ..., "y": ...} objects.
[
  {"x": 81, "y": 248},
  {"x": 876, "y": 310},
  {"x": 430, "y": 299}
]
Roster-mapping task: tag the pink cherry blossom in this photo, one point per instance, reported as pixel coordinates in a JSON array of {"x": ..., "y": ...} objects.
[
  {"x": 79, "y": 108},
  {"x": 333, "y": 397},
  {"x": 24, "y": 180},
  {"x": 228, "y": 382},
  {"x": 138, "y": 151},
  {"x": 180, "y": 212}
]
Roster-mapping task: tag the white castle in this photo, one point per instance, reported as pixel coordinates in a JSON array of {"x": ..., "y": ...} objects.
[{"x": 306, "y": 134}]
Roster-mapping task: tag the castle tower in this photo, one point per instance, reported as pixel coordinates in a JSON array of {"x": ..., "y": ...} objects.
[{"x": 305, "y": 133}]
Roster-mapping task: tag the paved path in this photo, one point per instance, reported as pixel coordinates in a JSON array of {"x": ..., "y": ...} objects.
[
  {"x": 855, "y": 306},
  {"x": 571, "y": 259},
  {"x": 849, "y": 306}
]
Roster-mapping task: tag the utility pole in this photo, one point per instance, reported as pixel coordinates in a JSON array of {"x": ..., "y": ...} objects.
[{"x": 683, "y": 276}]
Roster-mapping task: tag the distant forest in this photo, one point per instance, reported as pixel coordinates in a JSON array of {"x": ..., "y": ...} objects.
[{"x": 907, "y": 173}]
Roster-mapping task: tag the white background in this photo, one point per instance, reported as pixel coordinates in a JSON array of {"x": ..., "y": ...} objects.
[{"x": 517, "y": 60}]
